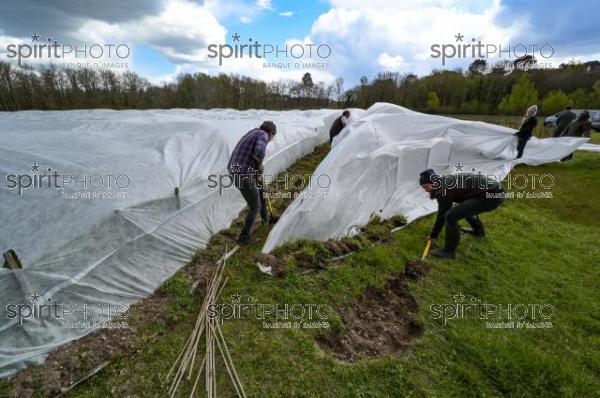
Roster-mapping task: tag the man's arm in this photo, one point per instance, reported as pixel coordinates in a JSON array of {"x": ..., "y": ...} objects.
[
  {"x": 587, "y": 129},
  {"x": 444, "y": 204},
  {"x": 259, "y": 150}
]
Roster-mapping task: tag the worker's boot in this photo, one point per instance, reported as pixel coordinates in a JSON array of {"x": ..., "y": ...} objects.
[
  {"x": 452, "y": 239},
  {"x": 476, "y": 229},
  {"x": 270, "y": 219}
]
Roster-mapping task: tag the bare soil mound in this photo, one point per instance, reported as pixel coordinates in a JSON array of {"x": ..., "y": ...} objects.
[{"x": 381, "y": 323}]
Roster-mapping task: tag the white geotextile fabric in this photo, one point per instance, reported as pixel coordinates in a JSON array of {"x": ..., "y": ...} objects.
[
  {"x": 375, "y": 162},
  {"x": 590, "y": 147},
  {"x": 117, "y": 251}
]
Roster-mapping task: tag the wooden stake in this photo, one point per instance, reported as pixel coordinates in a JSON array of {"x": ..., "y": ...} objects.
[{"x": 214, "y": 339}]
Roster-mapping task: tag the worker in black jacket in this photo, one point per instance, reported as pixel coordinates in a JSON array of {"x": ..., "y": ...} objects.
[
  {"x": 563, "y": 118},
  {"x": 526, "y": 130},
  {"x": 475, "y": 193},
  {"x": 338, "y": 125}
]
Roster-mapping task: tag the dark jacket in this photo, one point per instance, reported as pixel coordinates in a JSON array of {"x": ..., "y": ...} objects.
[
  {"x": 578, "y": 128},
  {"x": 562, "y": 121},
  {"x": 336, "y": 127},
  {"x": 246, "y": 158},
  {"x": 527, "y": 127},
  {"x": 457, "y": 188}
]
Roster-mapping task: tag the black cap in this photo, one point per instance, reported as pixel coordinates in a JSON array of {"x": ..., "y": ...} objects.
[{"x": 425, "y": 176}]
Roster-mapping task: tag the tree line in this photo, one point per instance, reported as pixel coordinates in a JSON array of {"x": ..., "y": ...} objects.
[
  {"x": 54, "y": 88},
  {"x": 474, "y": 91},
  {"x": 501, "y": 90}
]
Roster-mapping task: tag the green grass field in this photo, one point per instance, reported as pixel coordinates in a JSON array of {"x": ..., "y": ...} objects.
[{"x": 542, "y": 251}]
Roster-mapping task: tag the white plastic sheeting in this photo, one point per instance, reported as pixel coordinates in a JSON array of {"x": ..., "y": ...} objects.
[
  {"x": 590, "y": 147},
  {"x": 116, "y": 248},
  {"x": 375, "y": 163}
]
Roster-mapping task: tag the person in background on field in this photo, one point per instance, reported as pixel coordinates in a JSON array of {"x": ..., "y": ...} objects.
[
  {"x": 475, "y": 193},
  {"x": 579, "y": 127},
  {"x": 563, "y": 118},
  {"x": 246, "y": 168},
  {"x": 338, "y": 125},
  {"x": 526, "y": 130}
]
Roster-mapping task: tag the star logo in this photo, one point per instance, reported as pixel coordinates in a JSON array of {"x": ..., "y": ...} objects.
[
  {"x": 35, "y": 297},
  {"x": 236, "y": 298},
  {"x": 459, "y": 298},
  {"x": 459, "y": 37},
  {"x": 35, "y": 37},
  {"x": 458, "y": 167},
  {"x": 35, "y": 167},
  {"x": 236, "y": 167},
  {"x": 236, "y": 37}
]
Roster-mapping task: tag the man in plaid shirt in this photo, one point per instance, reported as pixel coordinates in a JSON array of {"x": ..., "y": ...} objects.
[{"x": 245, "y": 166}]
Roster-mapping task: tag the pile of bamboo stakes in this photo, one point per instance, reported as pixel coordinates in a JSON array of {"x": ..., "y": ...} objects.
[{"x": 214, "y": 339}]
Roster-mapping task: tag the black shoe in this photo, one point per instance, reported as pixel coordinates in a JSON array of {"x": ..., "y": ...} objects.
[
  {"x": 471, "y": 231},
  {"x": 452, "y": 239},
  {"x": 477, "y": 229},
  {"x": 270, "y": 220},
  {"x": 442, "y": 253}
]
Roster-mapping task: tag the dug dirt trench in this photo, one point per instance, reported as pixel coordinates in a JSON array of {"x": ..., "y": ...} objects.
[{"x": 382, "y": 322}]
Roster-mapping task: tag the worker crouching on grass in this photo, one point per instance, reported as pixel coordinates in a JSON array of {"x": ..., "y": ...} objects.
[
  {"x": 246, "y": 168},
  {"x": 475, "y": 194}
]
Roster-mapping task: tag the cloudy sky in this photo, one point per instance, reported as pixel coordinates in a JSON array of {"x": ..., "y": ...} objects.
[{"x": 168, "y": 37}]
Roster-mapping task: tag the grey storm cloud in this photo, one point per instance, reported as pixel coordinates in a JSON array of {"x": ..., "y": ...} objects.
[
  {"x": 570, "y": 27},
  {"x": 178, "y": 43},
  {"x": 60, "y": 18},
  {"x": 63, "y": 19}
]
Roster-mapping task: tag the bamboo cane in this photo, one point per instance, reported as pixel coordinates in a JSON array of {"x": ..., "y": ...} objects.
[{"x": 208, "y": 327}]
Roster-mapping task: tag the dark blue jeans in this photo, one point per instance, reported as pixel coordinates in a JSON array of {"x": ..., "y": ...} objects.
[
  {"x": 521, "y": 146},
  {"x": 254, "y": 197}
]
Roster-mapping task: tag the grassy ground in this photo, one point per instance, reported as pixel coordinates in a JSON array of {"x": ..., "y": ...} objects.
[{"x": 540, "y": 251}]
